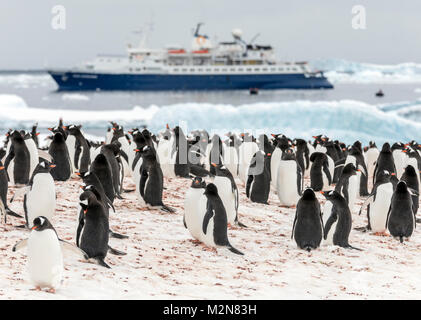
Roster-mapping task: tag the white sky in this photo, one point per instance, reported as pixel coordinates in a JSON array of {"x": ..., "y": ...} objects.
[{"x": 299, "y": 29}]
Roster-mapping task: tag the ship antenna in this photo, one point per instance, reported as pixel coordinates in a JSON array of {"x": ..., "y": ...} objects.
[
  {"x": 254, "y": 38},
  {"x": 196, "y": 33}
]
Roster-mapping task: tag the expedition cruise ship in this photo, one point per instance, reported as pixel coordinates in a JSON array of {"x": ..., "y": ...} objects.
[{"x": 233, "y": 65}]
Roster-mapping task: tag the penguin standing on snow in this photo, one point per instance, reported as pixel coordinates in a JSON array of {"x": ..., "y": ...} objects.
[
  {"x": 308, "y": 230},
  {"x": 231, "y": 155},
  {"x": 111, "y": 152},
  {"x": 4, "y": 209},
  {"x": 399, "y": 158},
  {"x": 347, "y": 185},
  {"x": 215, "y": 224},
  {"x": 181, "y": 165},
  {"x": 40, "y": 194},
  {"x": 45, "y": 258},
  {"x": 371, "y": 154},
  {"x": 102, "y": 169},
  {"x": 378, "y": 203},
  {"x": 384, "y": 162},
  {"x": 258, "y": 182},
  {"x": 82, "y": 154},
  {"x": 282, "y": 143},
  {"x": 151, "y": 183},
  {"x": 411, "y": 179},
  {"x": 290, "y": 179},
  {"x": 92, "y": 233},
  {"x": 33, "y": 150},
  {"x": 400, "y": 218},
  {"x": 302, "y": 154},
  {"x": 339, "y": 224},
  {"x": 320, "y": 177},
  {"x": 58, "y": 150},
  {"x": 18, "y": 160},
  {"x": 194, "y": 208},
  {"x": 228, "y": 192}
]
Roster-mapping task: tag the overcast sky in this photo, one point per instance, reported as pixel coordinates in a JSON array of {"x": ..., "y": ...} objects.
[{"x": 299, "y": 29}]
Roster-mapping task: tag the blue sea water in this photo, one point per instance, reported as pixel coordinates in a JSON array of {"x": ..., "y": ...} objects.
[{"x": 348, "y": 112}]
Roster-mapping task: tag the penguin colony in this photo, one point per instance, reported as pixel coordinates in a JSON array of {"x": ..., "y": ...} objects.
[{"x": 215, "y": 170}]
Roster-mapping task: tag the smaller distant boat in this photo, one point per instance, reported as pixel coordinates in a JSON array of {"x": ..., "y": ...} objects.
[
  {"x": 379, "y": 93},
  {"x": 254, "y": 90}
]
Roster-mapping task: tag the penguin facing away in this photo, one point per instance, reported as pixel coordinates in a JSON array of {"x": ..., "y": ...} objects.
[
  {"x": 17, "y": 161},
  {"x": 411, "y": 179},
  {"x": 320, "y": 177},
  {"x": 307, "y": 229},
  {"x": 58, "y": 150},
  {"x": 215, "y": 224},
  {"x": 258, "y": 182},
  {"x": 400, "y": 218},
  {"x": 338, "y": 226}
]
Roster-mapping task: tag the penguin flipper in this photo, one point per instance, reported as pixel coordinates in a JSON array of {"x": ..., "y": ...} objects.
[
  {"x": 184, "y": 221},
  {"x": 69, "y": 247},
  {"x": 3, "y": 211},
  {"x": 351, "y": 247},
  {"x": 12, "y": 213},
  {"x": 116, "y": 252},
  {"x": 20, "y": 192},
  {"x": 333, "y": 217},
  {"x": 236, "y": 251},
  {"x": 367, "y": 201},
  {"x": 20, "y": 245},
  {"x": 167, "y": 209},
  {"x": 45, "y": 155},
  {"x": 242, "y": 225},
  {"x": 117, "y": 235}
]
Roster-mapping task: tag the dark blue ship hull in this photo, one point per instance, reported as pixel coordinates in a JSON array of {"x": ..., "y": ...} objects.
[{"x": 109, "y": 81}]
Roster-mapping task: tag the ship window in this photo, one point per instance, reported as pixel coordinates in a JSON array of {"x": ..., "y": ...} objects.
[
  {"x": 240, "y": 69},
  {"x": 208, "y": 70},
  {"x": 184, "y": 70},
  {"x": 248, "y": 69},
  {"x": 137, "y": 69},
  {"x": 257, "y": 69},
  {"x": 272, "y": 69},
  {"x": 175, "y": 70},
  {"x": 216, "y": 70},
  {"x": 265, "y": 69},
  {"x": 200, "y": 69},
  {"x": 224, "y": 70},
  {"x": 232, "y": 69},
  {"x": 192, "y": 70}
]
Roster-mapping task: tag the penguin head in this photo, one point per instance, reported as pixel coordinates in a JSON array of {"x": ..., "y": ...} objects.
[
  {"x": 41, "y": 223},
  {"x": 386, "y": 147},
  {"x": 350, "y": 170},
  {"x": 43, "y": 167},
  {"x": 211, "y": 189},
  {"x": 288, "y": 154},
  {"x": 73, "y": 129},
  {"x": 410, "y": 171},
  {"x": 401, "y": 187},
  {"x": 309, "y": 194},
  {"x": 90, "y": 194},
  {"x": 331, "y": 195},
  {"x": 198, "y": 183},
  {"x": 221, "y": 170},
  {"x": 58, "y": 137},
  {"x": 372, "y": 144}
]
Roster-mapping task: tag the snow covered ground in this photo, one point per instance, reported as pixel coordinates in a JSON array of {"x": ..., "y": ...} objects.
[{"x": 163, "y": 263}]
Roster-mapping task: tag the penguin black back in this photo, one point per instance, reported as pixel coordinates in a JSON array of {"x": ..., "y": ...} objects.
[{"x": 102, "y": 170}]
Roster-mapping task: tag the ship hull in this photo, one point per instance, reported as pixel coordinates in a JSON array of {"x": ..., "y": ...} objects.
[{"x": 71, "y": 81}]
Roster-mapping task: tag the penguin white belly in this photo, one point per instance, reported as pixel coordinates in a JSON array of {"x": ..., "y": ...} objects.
[
  {"x": 325, "y": 181},
  {"x": 41, "y": 199},
  {"x": 353, "y": 187},
  {"x": 274, "y": 164},
  {"x": 331, "y": 165},
  {"x": 327, "y": 210},
  {"x": 287, "y": 183},
  {"x": 45, "y": 260},
  {"x": 380, "y": 207},
  {"x": 71, "y": 143},
  {"x": 10, "y": 170},
  {"x": 125, "y": 146},
  {"x": 372, "y": 155},
  {"x": 33, "y": 155},
  {"x": 231, "y": 160},
  {"x": 247, "y": 150},
  {"x": 136, "y": 172},
  {"x": 164, "y": 151},
  {"x": 399, "y": 158},
  {"x": 227, "y": 196},
  {"x": 208, "y": 237},
  {"x": 192, "y": 207}
]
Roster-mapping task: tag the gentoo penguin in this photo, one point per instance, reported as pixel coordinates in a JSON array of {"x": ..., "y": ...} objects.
[
  {"x": 18, "y": 162},
  {"x": 411, "y": 179},
  {"x": 165, "y": 152},
  {"x": 231, "y": 156},
  {"x": 378, "y": 203},
  {"x": 307, "y": 229},
  {"x": 214, "y": 153},
  {"x": 33, "y": 150},
  {"x": 93, "y": 230},
  {"x": 35, "y": 134},
  {"x": 181, "y": 165},
  {"x": 228, "y": 192},
  {"x": 102, "y": 170},
  {"x": 400, "y": 218},
  {"x": 126, "y": 151},
  {"x": 194, "y": 208},
  {"x": 290, "y": 179},
  {"x": 282, "y": 143},
  {"x": 82, "y": 154},
  {"x": 258, "y": 183},
  {"x": 246, "y": 151},
  {"x": 320, "y": 177},
  {"x": 215, "y": 223},
  {"x": 58, "y": 150},
  {"x": 413, "y": 159},
  {"x": 302, "y": 154},
  {"x": 348, "y": 186},
  {"x": 45, "y": 258},
  {"x": 385, "y": 162},
  {"x": 4, "y": 209},
  {"x": 359, "y": 162},
  {"x": 151, "y": 183},
  {"x": 371, "y": 154},
  {"x": 40, "y": 194},
  {"x": 339, "y": 224},
  {"x": 399, "y": 158},
  {"x": 111, "y": 152}
]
